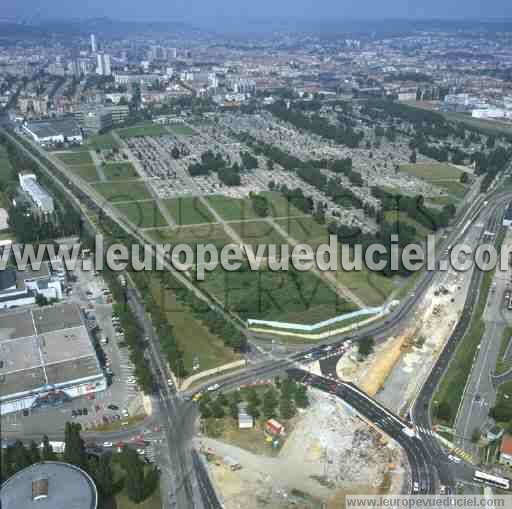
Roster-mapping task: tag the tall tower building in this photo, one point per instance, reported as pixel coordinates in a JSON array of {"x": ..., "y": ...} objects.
[
  {"x": 106, "y": 65},
  {"x": 94, "y": 48},
  {"x": 103, "y": 64}
]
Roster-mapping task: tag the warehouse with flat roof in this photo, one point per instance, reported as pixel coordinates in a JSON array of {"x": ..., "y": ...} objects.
[
  {"x": 49, "y": 132},
  {"x": 49, "y": 485},
  {"x": 46, "y": 358}
]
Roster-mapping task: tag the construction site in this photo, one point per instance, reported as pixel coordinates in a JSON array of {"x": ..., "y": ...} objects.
[{"x": 331, "y": 452}]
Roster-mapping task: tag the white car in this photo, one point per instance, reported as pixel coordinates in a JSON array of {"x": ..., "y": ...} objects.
[
  {"x": 108, "y": 444},
  {"x": 415, "y": 486},
  {"x": 454, "y": 458},
  {"x": 213, "y": 387}
]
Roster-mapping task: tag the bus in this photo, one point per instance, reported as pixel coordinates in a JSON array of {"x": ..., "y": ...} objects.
[{"x": 493, "y": 480}]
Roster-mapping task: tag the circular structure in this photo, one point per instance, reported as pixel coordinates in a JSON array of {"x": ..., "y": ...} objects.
[{"x": 49, "y": 485}]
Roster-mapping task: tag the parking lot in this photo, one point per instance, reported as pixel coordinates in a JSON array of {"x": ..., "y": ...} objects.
[{"x": 120, "y": 401}]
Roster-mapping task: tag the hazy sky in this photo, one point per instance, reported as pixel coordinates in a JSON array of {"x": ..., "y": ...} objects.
[{"x": 168, "y": 10}]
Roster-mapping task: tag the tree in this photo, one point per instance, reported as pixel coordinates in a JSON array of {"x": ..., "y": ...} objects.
[
  {"x": 205, "y": 410},
  {"x": 260, "y": 204},
  {"x": 270, "y": 165},
  {"x": 301, "y": 397},
  {"x": 286, "y": 408},
  {"x": 444, "y": 411},
  {"x": 288, "y": 388},
  {"x": 253, "y": 398},
  {"x": 365, "y": 346},
  {"x": 74, "y": 452},
  {"x": 253, "y": 410},
  {"x": 175, "y": 153},
  {"x": 20, "y": 457},
  {"x": 464, "y": 178},
  {"x": 413, "y": 157},
  {"x": 233, "y": 410},
  {"x": 47, "y": 453},
  {"x": 35, "y": 455},
  {"x": 270, "y": 403},
  {"x": 104, "y": 479},
  {"x": 41, "y": 300},
  {"x": 134, "y": 480},
  {"x": 217, "y": 410}
]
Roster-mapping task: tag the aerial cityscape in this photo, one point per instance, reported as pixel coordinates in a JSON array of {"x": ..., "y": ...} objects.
[{"x": 255, "y": 259}]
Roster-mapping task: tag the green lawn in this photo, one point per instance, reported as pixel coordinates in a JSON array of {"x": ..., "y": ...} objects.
[
  {"x": 232, "y": 209},
  {"x": 188, "y": 210},
  {"x": 75, "y": 158},
  {"x": 193, "y": 235},
  {"x": 119, "y": 171},
  {"x": 432, "y": 171},
  {"x": 146, "y": 129},
  {"x": 257, "y": 232},
  {"x": 452, "y": 188},
  {"x": 193, "y": 337},
  {"x": 283, "y": 295},
  {"x": 86, "y": 171},
  {"x": 101, "y": 142},
  {"x": 441, "y": 175},
  {"x": 181, "y": 130},
  {"x": 502, "y": 365},
  {"x": 305, "y": 229},
  {"x": 144, "y": 214},
  {"x": 123, "y": 191}
]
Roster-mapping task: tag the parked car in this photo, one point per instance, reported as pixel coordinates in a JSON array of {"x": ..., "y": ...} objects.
[{"x": 113, "y": 407}]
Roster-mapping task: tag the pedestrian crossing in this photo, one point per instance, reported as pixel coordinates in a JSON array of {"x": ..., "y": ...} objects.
[
  {"x": 461, "y": 453},
  {"x": 425, "y": 431},
  {"x": 464, "y": 455}
]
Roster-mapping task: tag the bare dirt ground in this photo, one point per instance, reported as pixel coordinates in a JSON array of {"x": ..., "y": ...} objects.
[
  {"x": 331, "y": 452},
  {"x": 398, "y": 366}
]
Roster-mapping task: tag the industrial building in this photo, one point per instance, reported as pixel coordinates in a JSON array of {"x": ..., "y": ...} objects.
[
  {"x": 46, "y": 358},
  {"x": 41, "y": 200},
  {"x": 54, "y": 131},
  {"x": 20, "y": 288},
  {"x": 50, "y": 485}
]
